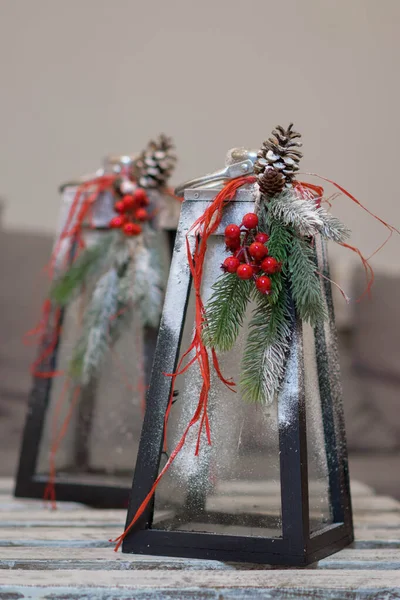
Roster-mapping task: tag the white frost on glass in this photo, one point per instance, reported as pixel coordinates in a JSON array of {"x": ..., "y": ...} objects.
[{"x": 290, "y": 390}]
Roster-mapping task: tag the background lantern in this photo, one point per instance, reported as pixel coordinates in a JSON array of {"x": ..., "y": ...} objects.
[
  {"x": 91, "y": 433},
  {"x": 272, "y": 487}
]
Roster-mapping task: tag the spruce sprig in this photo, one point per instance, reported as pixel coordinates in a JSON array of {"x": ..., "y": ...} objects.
[
  {"x": 225, "y": 311},
  {"x": 280, "y": 237},
  {"x": 305, "y": 282},
  {"x": 93, "y": 343},
  {"x": 266, "y": 349},
  {"x": 332, "y": 228},
  {"x": 147, "y": 286},
  {"x": 279, "y": 243},
  {"x": 296, "y": 212},
  {"x": 90, "y": 260}
]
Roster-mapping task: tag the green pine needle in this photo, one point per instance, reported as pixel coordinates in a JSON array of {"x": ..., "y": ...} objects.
[
  {"x": 225, "y": 311},
  {"x": 93, "y": 344},
  {"x": 279, "y": 243},
  {"x": 300, "y": 214},
  {"x": 280, "y": 239},
  {"x": 266, "y": 349},
  {"x": 332, "y": 228},
  {"x": 147, "y": 286},
  {"x": 92, "y": 258},
  {"x": 305, "y": 282}
]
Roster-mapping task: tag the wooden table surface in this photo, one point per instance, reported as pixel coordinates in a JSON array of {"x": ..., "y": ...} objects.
[{"x": 65, "y": 555}]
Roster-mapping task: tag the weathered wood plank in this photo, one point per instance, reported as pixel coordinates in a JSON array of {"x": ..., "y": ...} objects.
[
  {"x": 55, "y": 554},
  {"x": 374, "y": 520},
  {"x": 216, "y": 580},
  {"x": 99, "y": 536},
  {"x": 105, "y": 559},
  {"x": 375, "y": 503},
  {"x": 59, "y": 518},
  {"x": 53, "y": 536},
  {"x": 8, "y": 502},
  {"x": 114, "y": 593}
]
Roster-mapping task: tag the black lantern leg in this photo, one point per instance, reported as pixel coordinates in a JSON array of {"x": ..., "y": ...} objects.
[
  {"x": 149, "y": 346},
  {"x": 293, "y": 447}
]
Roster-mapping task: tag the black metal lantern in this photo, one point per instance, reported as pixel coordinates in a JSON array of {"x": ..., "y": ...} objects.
[
  {"x": 92, "y": 462},
  {"x": 273, "y": 486}
]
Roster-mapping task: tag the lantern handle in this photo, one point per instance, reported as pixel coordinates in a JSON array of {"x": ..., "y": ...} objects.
[
  {"x": 111, "y": 164},
  {"x": 240, "y": 161}
]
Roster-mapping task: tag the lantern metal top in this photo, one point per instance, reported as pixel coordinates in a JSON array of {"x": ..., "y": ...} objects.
[
  {"x": 239, "y": 161},
  {"x": 111, "y": 164}
]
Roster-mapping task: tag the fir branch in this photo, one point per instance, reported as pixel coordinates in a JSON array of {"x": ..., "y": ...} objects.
[
  {"x": 306, "y": 219},
  {"x": 296, "y": 212},
  {"x": 305, "y": 283},
  {"x": 266, "y": 349},
  {"x": 332, "y": 228},
  {"x": 225, "y": 310},
  {"x": 124, "y": 311},
  {"x": 280, "y": 239},
  {"x": 147, "y": 285},
  {"x": 94, "y": 342},
  {"x": 90, "y": 260}
]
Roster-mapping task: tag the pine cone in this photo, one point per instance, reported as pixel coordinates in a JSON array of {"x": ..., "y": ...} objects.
[
  {"x": 280, "y": 153},
  {"x": 271, "y": 182},
  {"x": 155, "y": 164}
]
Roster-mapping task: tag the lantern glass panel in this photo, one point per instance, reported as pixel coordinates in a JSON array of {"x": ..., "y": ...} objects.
[
  {"x": 233, "y": 485},
  {"x": 103, "y": 430}
]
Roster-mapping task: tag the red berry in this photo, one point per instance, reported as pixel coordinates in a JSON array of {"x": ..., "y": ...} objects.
[
  {"x": 232, "y": 243},
  {"x": 270, "y": 265},
  {"x": 140, "y": 197},
  {"x": 231, "y": 264},
  {"x": 132, "y": 229},
  {"x": 262, "y": 238},
  {"x": 129, "y": 202},
  {"x": 119, "y": 207},
  {"x": 117, "y": 222},
  {"x": 250, "y": 221},
  {"x": 141, "y": 214},
  {"x": 245, "y": 271},
  {"x": 258, "y": 250},
  {"x": 232, "y": 231},
  {"x": 263, "y": 284}
]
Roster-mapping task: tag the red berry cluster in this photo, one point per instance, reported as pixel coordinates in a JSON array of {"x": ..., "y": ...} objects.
[
  {"x": 250, "y": 258},
  {"x": 131, "y": 212}
]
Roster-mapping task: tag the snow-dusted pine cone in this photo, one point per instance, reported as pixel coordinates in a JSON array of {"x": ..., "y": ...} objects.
[
  {"x": 155, "y": 164},
  {"x": 280, "y": 152},
  {"x": 271, "y": 182}
]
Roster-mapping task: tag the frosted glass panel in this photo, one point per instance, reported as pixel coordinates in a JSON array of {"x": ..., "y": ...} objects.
[{"x": 101, "y": 441}]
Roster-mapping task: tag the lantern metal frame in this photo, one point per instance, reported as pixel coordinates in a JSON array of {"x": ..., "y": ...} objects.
[
  {"x": 297, "y": 546},
  {"x": 30, "y": 484}
]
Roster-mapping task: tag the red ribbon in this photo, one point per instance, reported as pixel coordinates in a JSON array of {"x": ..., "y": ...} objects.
[{"x": 369, "y": 272}]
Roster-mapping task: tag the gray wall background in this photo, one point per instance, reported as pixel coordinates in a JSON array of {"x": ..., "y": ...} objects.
[{"x": 83, "y": 78}]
